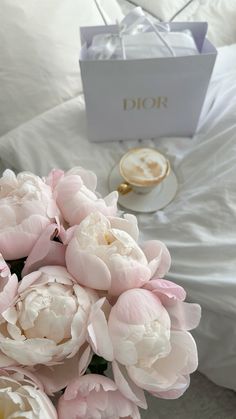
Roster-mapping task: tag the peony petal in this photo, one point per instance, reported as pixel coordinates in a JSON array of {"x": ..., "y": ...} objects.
[
  {"x": 85, "y": 358},
  {"x": 17, "y": 242},
  {"x": 126, "y": 274},
  {"x": 30, "y": 351},
  {"x": 166, "y": 372},
  {"x": 25, "y": 398},
  {"x": 76, "y": 201},
  {"x": 53, "y": 177},
  {"x": 5, "y": 361},
  {"x": 127, "y": 387},
  {"x": 128, "y": 223},
  {"x": 137, "y": 307},
  {"x": 98, "y": 332},
  {"x": 95, "y": 396},
  {"x": 184, "y": 316},
  {"x": 176, "y": 391},
  {"x": 4, "y": 268},
  {"x": 156, "y": 250},
  {"x": 45, "y": 251},
  {"x": 87, "y": 269},
  {"x": 132, "y": 277},
  {"x": 28, "y": 280},
  {"x": 25, "y": 373},
  {"x": 57, "y": 377},
  {"x": 9, "y": 293},
  {"x": 67, "y": 235},
  {"x": 111, "y": 203},
  {"x": 83, "y": 385},
  {"x": 163, "y": 288},
  {"x": 89, "y": 178},
  {"x": 67, "y": 409},
  {"x": 184, "y": 347}
]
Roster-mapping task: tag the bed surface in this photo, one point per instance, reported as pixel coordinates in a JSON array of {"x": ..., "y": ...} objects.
[
  {"x": 220, "y": 15},
  {"x": 198, "y": 226}
]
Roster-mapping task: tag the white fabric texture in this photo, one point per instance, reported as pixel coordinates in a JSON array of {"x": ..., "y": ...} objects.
[
  {"x": 220, "y": 15},
  {"x": 39, "y": 52},
  {"x": 198, "y": 226}
]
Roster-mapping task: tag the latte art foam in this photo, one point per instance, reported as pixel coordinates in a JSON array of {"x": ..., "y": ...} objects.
[{"x": 143, "y": 166}]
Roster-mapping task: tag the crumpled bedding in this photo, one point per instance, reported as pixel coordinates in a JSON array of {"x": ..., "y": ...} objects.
[{"x": 220, "y": 15}]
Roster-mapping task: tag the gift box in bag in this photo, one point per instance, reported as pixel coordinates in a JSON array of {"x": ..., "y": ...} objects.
[{"x": 143, "y": 98}]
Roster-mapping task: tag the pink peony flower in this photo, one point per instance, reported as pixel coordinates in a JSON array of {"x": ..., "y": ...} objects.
[
  {"x": 103, "y": 254},
  {"x": 48, "y": 322},
  {"x": 26, "y": 208},
  {"x": 76, "y": 197},
  {"x": 95, "y": 396},
  {"x": 151, "y": 342},
  {"x": 146, "y": 339},
  {"x": 22, "y": 396}
]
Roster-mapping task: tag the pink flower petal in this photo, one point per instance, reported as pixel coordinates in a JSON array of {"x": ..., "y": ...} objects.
[
  {"x": 53, "y": 177},
  {"x": 17, "y": 242},
  {"x": 26, "y": 373},
  {"x": 85, "y": 358},
  {"x": 163, "y": 288},
  {"x": 67, "y": 235},
  {"x": 166, "y": 372},
  {"x": 177, "y": 390},
  {"x": 111, "y": 204},
  {"x": 9, "y": 292},
  {"x": 95, "y": 396},
  {"x": 184, "y": 316},
  {"x": 27, "y": 281},
  {"x": 45, "y": 251},
  {"x": 98, "y": 332},
  {"x": 127, "y": 275},
  {"x": 89, "y": 178},
  {"x": 156, "y": 250},
  {"x": 5, "y": 361},
  {"x": 87, "y": 269},
  {"x": 4, "y": 268},
  {"x": 127, "y": 387},
  {"x": 76, "y": 201},
  {"x": 128, "y": 223},
  {"x": 57, "y": 377}
]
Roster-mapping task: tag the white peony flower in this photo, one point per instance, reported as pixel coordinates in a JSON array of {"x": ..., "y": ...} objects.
[
  {"x": 104, "y": 254},
  {"x": 20, "y": 397},
  {"x": 26, "y": 209},
  {"x": 48, "y": 321}
]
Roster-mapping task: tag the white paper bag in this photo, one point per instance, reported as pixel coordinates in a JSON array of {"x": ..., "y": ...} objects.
[{"x": 143, "y": 98}]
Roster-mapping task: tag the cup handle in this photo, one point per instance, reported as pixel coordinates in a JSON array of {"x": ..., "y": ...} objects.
[{"x": 124, "y": 188}]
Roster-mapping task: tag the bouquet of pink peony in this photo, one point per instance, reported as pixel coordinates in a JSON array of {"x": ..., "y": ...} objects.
[{"x": 78, "y": 294}]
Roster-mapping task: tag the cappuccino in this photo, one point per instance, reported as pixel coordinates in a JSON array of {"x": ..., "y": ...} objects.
[{"x": 144, "y": 167}]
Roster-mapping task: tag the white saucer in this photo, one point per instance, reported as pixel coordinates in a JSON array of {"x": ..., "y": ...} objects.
[{"x": 155, "y": 200}]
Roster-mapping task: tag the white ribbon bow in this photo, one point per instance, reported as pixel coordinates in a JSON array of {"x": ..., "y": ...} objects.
[{"x": 133, "y": 23}]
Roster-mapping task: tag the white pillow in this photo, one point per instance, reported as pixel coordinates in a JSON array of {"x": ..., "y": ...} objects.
[
  {"x": 220, "y": 15},
  {"x": 39, "y": 50},
  {"x": 163, "y": 9}
]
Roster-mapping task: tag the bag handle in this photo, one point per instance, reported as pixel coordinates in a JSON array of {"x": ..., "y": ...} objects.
[{"x": 131, "y": 23}]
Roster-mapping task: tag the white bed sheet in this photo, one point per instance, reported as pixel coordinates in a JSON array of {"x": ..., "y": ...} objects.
[
  {"x": 39, "y": 52},
  {"x": 198, "y": 226},
  {"x": 220, "y": 15}
]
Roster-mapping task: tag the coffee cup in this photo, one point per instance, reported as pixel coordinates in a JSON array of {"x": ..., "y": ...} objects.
[{"x": 142, "y": 170}]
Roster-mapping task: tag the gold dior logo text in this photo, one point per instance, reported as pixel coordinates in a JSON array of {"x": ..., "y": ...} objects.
[{"x": 146, "y": 103}]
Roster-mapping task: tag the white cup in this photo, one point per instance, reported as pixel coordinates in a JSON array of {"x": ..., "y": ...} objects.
[{"x": 142, "y": 170}]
